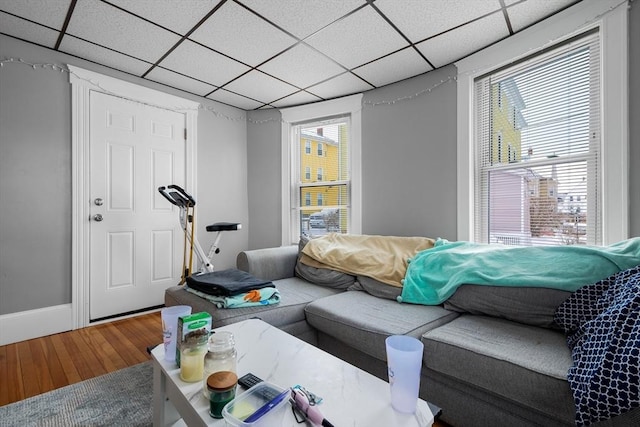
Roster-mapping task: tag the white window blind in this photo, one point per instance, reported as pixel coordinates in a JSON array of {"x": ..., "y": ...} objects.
[{"x": 538, "y": 148}]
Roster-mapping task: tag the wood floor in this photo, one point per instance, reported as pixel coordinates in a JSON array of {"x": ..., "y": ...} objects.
[
  {"x": 32, "y": 367},
  {"x": 43, "y": 364}
]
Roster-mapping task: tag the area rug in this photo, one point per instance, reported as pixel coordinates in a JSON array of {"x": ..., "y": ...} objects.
[{"x": 120, "y": 398}]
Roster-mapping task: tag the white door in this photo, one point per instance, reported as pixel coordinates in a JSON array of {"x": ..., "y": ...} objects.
[{"x": 134, "y": 231}]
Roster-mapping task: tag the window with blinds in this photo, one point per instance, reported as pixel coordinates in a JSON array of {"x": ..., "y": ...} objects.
[{"x": 538, "y": 148}]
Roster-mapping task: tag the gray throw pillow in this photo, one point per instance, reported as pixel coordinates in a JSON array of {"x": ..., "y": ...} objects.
[
  {"x": 377, "y": 288},
  {"x": 532, "y": 306},
  {"x": 321, "y": 276}
]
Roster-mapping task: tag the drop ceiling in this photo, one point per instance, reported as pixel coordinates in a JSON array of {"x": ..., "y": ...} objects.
[{"x": 255, "y": 54}]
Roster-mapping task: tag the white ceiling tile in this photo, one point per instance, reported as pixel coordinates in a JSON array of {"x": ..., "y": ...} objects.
[
  {"x": 25, "y": 30},
  {"x": 236, "y": 32},
  {"x": 401, "y": 65},
  {"x": 302, "y": 18},
  {"x": 92, "y": 52},
  {"x": 179, "y": 16},
  {"x": 344, "y": 84},
  {"x": 179, "y": 81},
  {"x": 358, "y": 38},
  {"x": 130, "y": 35},
  {"x": 231, "y": 98},
  {"x": 529, "y": 12},
  {"x": 299, "y": 98},
  {"x": 46, "y": 12},
  {"x": 419, "y": 19},
  {"x": 302, "y": 66},
  {"x": 458, "y": 43},
  {"x": 191, "y": 59},
  {"x": 259, "y": 86},
  {"x": 110, "y": 27}
]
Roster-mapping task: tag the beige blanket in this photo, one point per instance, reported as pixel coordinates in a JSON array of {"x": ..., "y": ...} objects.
[{"x": 383, "y": 258}]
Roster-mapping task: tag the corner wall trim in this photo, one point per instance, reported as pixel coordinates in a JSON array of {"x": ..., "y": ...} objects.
[{"x": 36, "y": 323}]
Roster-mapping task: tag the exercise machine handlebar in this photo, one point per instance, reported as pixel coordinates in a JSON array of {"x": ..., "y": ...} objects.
[{"x": 178, "y": 196}]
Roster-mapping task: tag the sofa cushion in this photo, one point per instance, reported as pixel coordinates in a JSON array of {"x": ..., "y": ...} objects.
[
  {"x": 324, "y": 276},
  {"x": 295, "y": 294},
  {"x": 532, "y": 306},
  {"x": 532, "y": 362},
  {"x": 363, "y": 321},
  {"x": 376, "y": 288},
  {"x": 321, "y": 276},
  {"x": 269, "y": 263}
]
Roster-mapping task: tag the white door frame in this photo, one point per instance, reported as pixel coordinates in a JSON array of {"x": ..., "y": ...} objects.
[{"x": 82, "y": 83}]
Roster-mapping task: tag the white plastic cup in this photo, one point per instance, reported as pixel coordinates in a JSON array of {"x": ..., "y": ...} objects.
[
  {"x": 169, "y": 317},
  {"x": 404, "y": 362}
]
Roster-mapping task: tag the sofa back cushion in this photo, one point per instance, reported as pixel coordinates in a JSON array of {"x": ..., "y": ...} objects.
[
  {"x": 531, "y": 306},
  {"x": 321, "y": 276}
]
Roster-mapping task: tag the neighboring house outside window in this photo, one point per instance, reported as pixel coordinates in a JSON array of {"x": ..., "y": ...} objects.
[
  {"x": 307, "y": 173},
  {"x": 307, "y": 147}
]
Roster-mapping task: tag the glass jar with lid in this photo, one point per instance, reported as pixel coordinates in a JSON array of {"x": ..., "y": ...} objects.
[
  {"x": 221, "y": 387},
  {"x": 222, "y": 356}
]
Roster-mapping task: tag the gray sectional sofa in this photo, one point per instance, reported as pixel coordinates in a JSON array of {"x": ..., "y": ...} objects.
[{"x": 491, "y": 356}]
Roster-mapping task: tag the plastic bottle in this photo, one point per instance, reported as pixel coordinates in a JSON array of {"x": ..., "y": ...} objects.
[{"x": 222, "y": 356}]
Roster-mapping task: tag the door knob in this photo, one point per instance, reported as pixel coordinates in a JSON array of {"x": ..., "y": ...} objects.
[
  {"x": 97, "y": 217},
  {"x": 98, "y": 201}
]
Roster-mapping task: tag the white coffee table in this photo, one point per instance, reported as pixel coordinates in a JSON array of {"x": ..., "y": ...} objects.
[{"x": 352, "y": 397}]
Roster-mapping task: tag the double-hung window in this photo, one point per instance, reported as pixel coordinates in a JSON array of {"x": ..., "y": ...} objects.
[
  {"x": 527, "y": 189},
  {"x": 330, "y": 187},
  {"x": 330, "y": 200},
  {"x": 542, "y": 138}
]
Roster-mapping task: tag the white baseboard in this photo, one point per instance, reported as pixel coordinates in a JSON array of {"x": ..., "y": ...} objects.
[{"x": 26, "y": 325}]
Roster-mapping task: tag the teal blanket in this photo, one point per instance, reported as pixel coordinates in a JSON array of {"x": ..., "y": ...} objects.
[
  {"x": 253, "y": 298},
  {"x": 433, "y": 275}
]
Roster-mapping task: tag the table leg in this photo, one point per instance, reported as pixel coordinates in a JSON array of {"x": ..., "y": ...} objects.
[{"x": 164, "y": 413}]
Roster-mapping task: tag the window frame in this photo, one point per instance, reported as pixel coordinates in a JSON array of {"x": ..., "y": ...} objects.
[
  {"x": 610, "y": 16},
  {"x": 348, "y": 105}
]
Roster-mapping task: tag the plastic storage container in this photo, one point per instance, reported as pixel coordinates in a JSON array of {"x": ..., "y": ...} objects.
[{"x": 245, "y": 404}]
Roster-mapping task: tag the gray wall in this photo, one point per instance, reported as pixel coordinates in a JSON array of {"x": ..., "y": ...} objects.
[
  {"x": 409, "y": 158},
  {"x": 264, "y": 129},
  {"x": 408, "y": 163},
  {"x": 35, "y": 176},
  {"x": 35, "y": 182}
]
